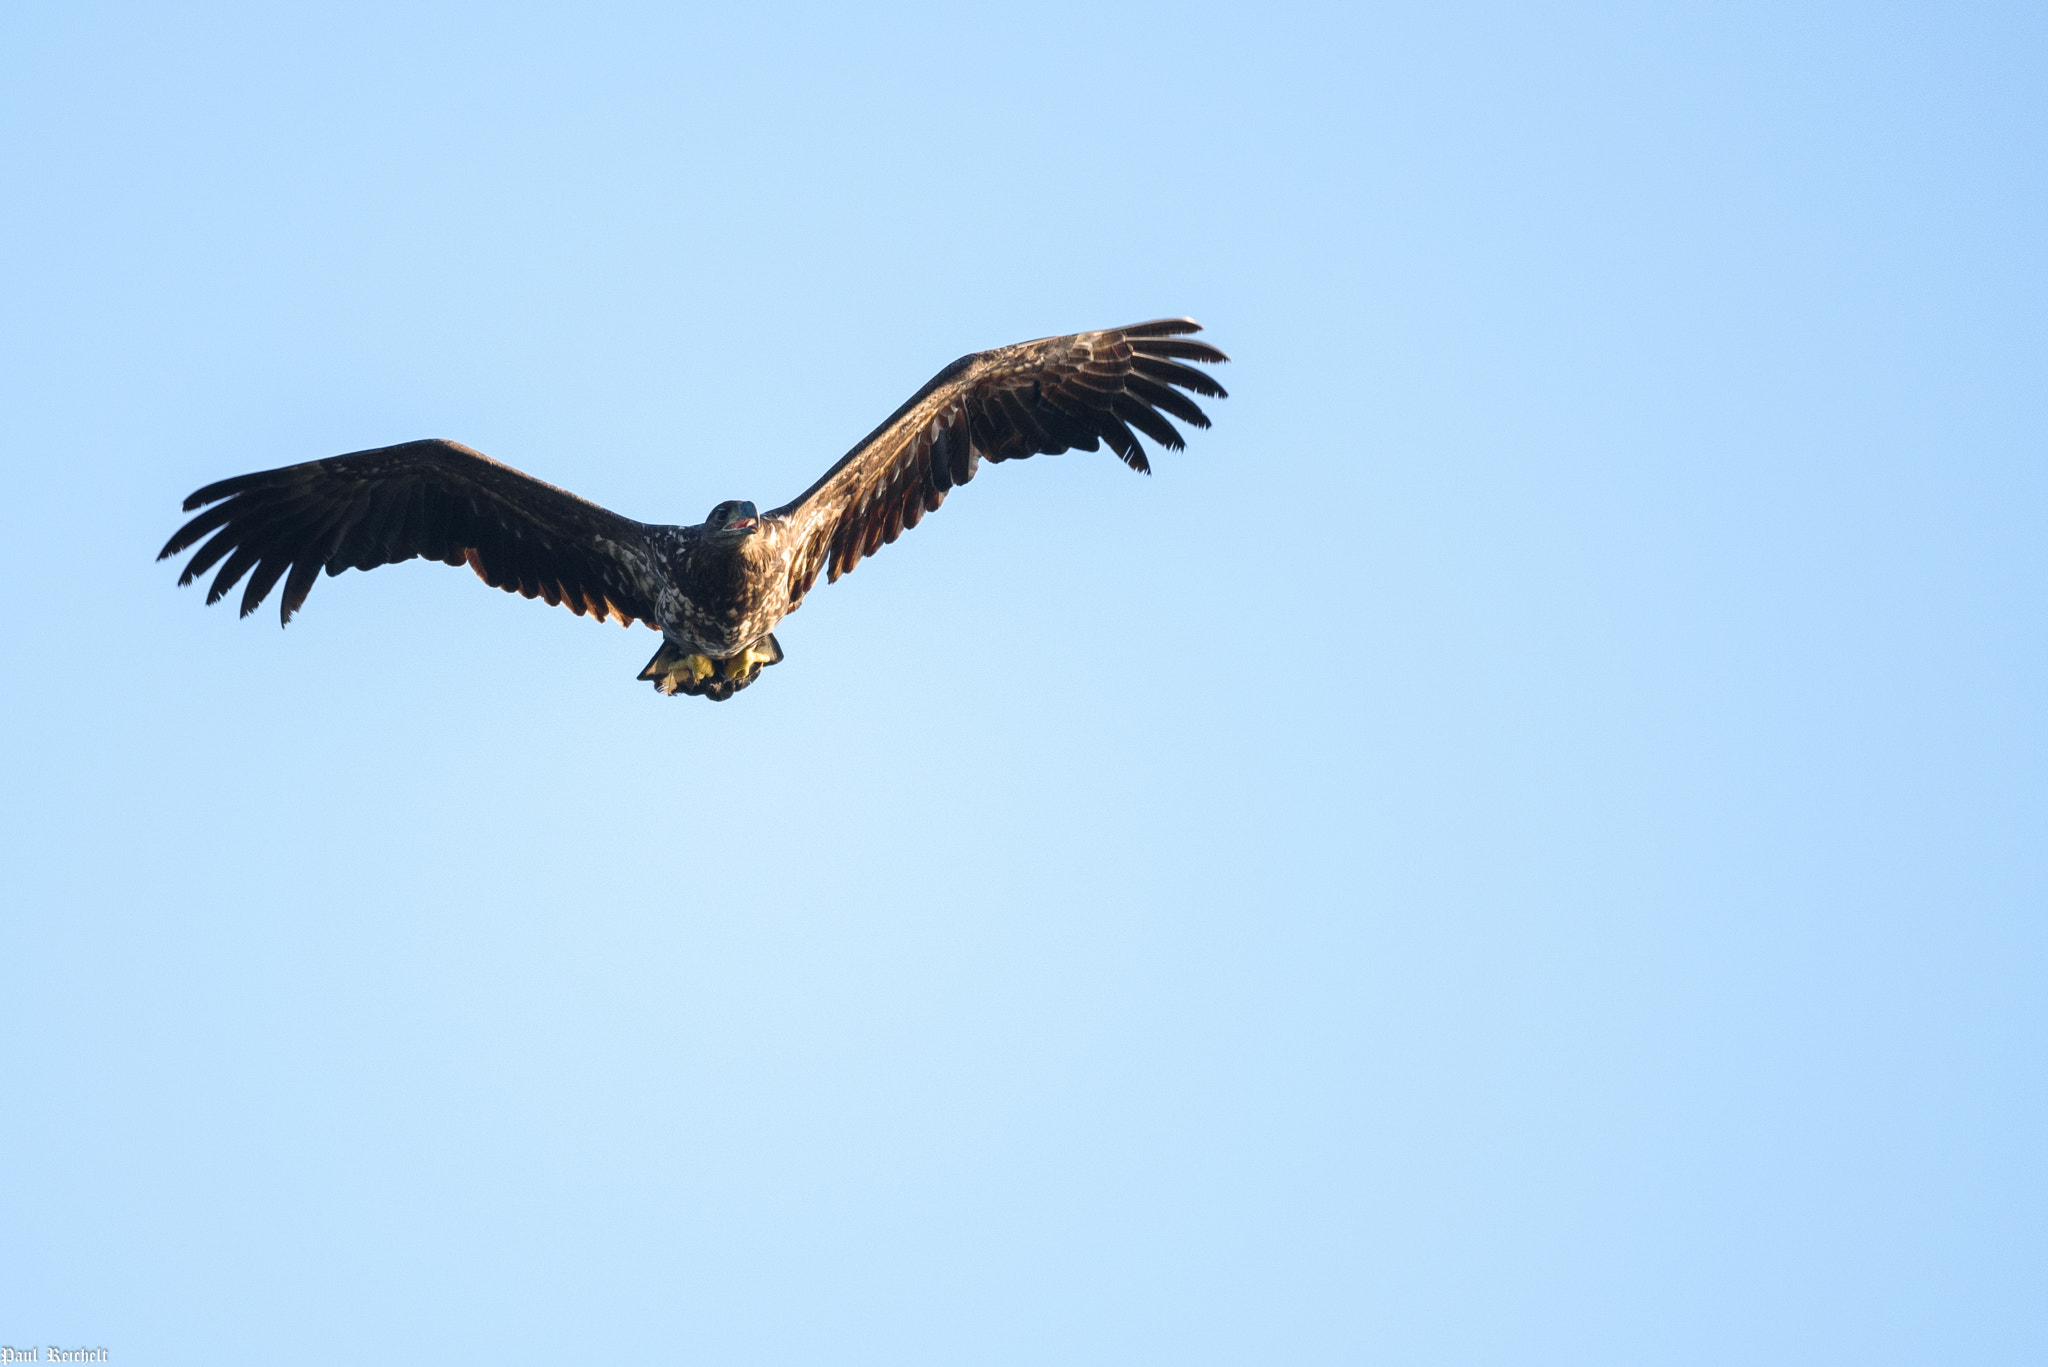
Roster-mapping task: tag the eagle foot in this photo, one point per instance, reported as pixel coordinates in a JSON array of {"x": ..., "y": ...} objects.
[{"x": 674, "y": 670}]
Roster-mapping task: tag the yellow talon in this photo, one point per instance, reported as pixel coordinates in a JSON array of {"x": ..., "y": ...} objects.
[
  {"x": 673, "y": 671},
  {"x": 742, "y": 665},
  {"x": 692, "y": 669}
]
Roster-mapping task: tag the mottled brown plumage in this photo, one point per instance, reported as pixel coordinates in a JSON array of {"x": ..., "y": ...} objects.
[{"x": 717, "y": 589}]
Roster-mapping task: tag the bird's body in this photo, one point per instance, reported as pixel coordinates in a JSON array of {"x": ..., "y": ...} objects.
[
  {"x": 720, "y": 598},
  {"x": 715, "y": 590}
]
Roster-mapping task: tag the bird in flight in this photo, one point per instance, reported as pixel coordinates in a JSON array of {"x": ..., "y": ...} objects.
[{"x": 715, "y": 591}]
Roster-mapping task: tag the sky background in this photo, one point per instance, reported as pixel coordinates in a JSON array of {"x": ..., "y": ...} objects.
[{"x": 1524, "y": 844}]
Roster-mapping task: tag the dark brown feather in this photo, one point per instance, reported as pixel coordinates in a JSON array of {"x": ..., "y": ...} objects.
[
  {"x": 1036, "y": 398},
  {"x": 1168, "y": 398},
  {"x": 434, "y": 499},
  {"x": 268, "y": 571},
  {"x": 231, "y": 573},
  {"x": 1173, "y": 372},
  {"x": 1146, "y": 419},
  {"x": 209, "y": 556},
  {"x": 1178, "y": 346},
  {"x": 1161, "y": 327}
]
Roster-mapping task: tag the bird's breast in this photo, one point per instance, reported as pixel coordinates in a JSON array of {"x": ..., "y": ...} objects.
[{"x": 729, "y": 596}]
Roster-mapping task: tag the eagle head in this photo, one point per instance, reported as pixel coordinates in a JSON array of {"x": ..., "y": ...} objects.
[{"x": 734, "y": 518}]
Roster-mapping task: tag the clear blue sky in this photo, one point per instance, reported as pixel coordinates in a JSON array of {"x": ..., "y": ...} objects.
[{"x": 1523, "y": 845}]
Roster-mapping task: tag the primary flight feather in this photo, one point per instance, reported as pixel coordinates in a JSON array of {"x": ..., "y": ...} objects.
[{"x": 715, "y": 591}]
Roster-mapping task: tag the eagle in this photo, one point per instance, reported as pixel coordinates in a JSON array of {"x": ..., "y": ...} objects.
[{"x": 716, "y": 590}]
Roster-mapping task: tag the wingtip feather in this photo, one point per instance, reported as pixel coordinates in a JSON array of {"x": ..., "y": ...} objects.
[
  {"x": 220, "y": 489},
  {"x": 1162, "y": 327}
]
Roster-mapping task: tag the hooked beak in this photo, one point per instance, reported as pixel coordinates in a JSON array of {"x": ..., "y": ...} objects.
[{"x": 741, "y": 524}]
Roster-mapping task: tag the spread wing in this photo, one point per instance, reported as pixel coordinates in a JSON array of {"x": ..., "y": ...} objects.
[
  {"x": 1018, "y": 401},
  {"x": 434, "y": 499}
]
